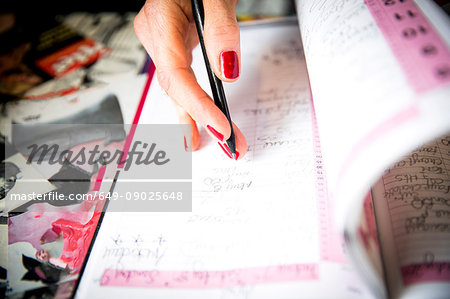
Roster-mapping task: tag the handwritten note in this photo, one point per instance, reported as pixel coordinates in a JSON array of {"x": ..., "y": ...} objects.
[
  {"x": 417, "y": 190},
  {"x": 255, "y": 223},
  {"x": 365, "y": 81},
  {"x": 209, "y": 279}
]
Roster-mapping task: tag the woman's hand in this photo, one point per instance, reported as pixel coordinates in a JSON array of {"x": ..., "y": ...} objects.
[{"x": 166, "y": 29}]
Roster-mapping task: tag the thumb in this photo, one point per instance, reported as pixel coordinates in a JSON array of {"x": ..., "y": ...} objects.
[{"x": 221, "y": 34}]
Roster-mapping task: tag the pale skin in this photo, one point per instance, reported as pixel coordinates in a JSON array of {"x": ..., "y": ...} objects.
[{"x": 167, "y": 31}]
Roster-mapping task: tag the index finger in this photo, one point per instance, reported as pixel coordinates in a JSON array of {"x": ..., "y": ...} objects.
[{"x": 172, "y": 63}]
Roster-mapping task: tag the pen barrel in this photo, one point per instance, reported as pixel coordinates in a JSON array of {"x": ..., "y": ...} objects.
[
  {"x": 216, "y": 84},
  {"x": 199, "y": 15}
]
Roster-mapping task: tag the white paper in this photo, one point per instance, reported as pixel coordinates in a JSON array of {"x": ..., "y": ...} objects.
[
  {"x": 368, "y": 114},
  {"x": 263, "y": 217}
]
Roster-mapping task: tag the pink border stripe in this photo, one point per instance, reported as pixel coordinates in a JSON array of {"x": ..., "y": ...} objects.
[
  {"x": 330, "y": 240},
  {"x": 99, "y": 178},
  {"x": 419, "y": 49},
  {"x": 130, "y": 136},
  {"x": 102, "y": 170},
  {"x": 436, "y": 271},
  {"x": 209, "y": 279}
]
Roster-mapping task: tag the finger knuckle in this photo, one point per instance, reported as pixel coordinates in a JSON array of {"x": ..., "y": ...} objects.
[
  {"x": 227, "y": 31},
  {"x": 164, "y": 80},
  {"x": 137, "y": 25}
]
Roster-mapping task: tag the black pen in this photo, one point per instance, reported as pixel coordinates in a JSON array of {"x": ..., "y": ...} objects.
[{"x": 216, "y": 84}]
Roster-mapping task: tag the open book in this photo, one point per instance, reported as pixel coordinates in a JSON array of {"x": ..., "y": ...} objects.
[
  {"x": 345, "y": 189},
  {"x": 342, "y": 194}
]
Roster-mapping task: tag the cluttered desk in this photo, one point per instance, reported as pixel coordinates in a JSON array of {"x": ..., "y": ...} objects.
[{"x": 344, "y": 190}]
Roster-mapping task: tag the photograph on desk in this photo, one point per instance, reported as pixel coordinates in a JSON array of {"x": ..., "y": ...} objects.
[
  {"x": 47, "y": 175},
  {"x": 342, "y": 189},
  {"x": 55, "y": 57}
]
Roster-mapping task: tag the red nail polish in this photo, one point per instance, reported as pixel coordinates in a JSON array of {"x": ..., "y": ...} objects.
[
  {"x": 230, "y": 64},
  {"x": 226, "y": 151},
  {"x": 215, "y": 133},
  {"x": 237, "y": 155}
]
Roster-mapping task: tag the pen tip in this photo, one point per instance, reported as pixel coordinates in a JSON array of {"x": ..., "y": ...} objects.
[{"x": 234, "y": 156}]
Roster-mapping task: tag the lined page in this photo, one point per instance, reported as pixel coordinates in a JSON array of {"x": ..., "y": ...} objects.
[
  {"x": 413, "y": 199},
  {"x": 370, "y": 106},
  {"x": 254, "y": 228}
]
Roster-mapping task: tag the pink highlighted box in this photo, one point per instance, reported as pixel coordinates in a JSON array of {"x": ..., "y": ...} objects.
[
  {"x": 417, "y": 46},
  {"x": 209, "y": 279},
  {"x": 431, "y": 272}
]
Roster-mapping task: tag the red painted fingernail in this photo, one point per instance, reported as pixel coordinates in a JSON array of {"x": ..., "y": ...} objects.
[
  {"x": 228, "y": 149},
  {"x": 225, "y": 146},
  {"x": 230, "y": 64},
  {"x": 215, "y": 133},
  {"x": 225, "y": 150}
]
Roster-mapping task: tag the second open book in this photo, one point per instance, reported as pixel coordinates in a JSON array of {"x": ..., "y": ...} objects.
[{"x": 295, "y": 217}]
